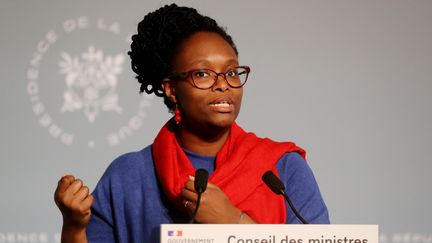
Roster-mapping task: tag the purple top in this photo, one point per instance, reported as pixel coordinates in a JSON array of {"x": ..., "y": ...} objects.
[{"x": 129, "y": 205}]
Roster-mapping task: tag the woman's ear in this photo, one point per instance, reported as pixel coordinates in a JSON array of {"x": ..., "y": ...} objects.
[{"x": 168, "y": 87}]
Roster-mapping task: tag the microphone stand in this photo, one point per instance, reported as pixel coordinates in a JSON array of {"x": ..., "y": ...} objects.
[{"x": 297, "y": 214}]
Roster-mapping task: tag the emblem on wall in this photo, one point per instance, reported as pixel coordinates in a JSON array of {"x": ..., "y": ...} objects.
[
  {"x": 78, "y": 87},
  {"x": 91, "y": 81}
]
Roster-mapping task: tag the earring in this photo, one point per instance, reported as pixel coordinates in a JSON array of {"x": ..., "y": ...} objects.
[{"x": 177, "y": 116}]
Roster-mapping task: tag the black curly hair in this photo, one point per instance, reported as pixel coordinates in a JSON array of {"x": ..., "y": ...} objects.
[{"x": 159, "y": 35}]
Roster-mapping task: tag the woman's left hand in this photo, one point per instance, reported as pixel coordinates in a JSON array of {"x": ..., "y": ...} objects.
[{"x": 215, "y": 207}]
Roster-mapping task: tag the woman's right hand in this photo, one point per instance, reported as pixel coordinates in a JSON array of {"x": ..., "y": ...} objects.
[{"x": 73, "y": 199}]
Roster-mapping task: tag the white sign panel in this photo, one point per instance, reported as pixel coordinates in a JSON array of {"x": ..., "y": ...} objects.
[{"x": 268, "y": 233}]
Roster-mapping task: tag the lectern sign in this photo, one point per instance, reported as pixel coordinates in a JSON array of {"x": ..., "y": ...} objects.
[{"x": 268, "y": 233}]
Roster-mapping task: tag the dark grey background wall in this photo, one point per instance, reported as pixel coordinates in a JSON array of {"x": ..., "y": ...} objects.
[{"x": 350, "y": 81}]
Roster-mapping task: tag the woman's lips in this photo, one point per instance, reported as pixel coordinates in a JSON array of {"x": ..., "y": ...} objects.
[{"x": 223, "y": 105}]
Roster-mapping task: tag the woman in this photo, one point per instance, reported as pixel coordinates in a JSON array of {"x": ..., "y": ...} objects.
[{"x": 192, "y": 63}]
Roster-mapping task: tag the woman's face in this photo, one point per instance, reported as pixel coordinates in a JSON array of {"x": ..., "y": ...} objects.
[{"x": 214, "y": 107}]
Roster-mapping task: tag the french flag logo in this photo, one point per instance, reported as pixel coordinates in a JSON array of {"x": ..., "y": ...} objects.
[{"x": 175, "y": 233}]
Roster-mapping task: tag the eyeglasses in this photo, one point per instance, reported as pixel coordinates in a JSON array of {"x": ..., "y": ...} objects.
[{"x": 206, "y": 78}]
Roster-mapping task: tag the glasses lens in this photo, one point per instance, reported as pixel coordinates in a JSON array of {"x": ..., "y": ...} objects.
[
  {"x": 203, "y": 79},
  {"x": 237, "y": 77}
]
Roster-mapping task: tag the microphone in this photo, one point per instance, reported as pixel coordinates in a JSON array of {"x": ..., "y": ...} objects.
[
  {"x": 276, "y": 185},
  {"x": 200, "y": 184},
  {"x": 201, "y": 178}
]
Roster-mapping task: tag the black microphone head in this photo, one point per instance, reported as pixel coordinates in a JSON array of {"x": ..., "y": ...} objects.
[
  {"x": 273, "y": 182},
  {"x": 201, "y": 178}
]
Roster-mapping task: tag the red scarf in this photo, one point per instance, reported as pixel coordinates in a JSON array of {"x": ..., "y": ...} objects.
[{"x": 240, "y": 163}]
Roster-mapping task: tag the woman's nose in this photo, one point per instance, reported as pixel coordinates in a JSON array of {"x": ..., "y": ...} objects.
[{"x": 221, "y": 83}]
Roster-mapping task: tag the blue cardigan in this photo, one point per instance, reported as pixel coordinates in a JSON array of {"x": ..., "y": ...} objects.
[{"x": 129, "y": 204}]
